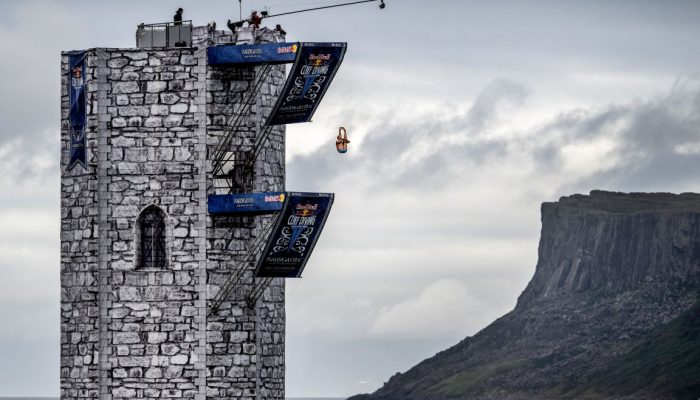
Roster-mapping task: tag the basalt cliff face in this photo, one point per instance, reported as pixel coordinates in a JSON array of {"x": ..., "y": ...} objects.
[{"x": 612, "y": 312}]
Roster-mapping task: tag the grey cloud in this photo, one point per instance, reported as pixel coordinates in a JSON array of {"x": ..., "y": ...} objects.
[
  {"x": 30, "y": 171},
  {"x": 390, "y": 141},
  {"x": 546, "y": 142},
  {"x": 489, "y": 104},
  {"x": 652, "y": 130}
]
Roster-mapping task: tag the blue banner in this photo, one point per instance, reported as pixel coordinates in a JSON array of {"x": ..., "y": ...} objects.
[
  {"x": 76, "y": 97},
  {"x": 246, "y": 203},
  {"x": 294, "y": 235},
  {"x": 268, "y": 53},
  {"x": 313, "y": 71}
]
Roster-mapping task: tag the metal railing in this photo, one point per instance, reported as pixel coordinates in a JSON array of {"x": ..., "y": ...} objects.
[{"x": 164, "y": 34}]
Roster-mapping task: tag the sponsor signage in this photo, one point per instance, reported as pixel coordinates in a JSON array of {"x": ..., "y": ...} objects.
[
  {"x": 314, "y": 68},
  {"x": 268, "y": 53},
  {"x": 246, "y": 203},
  {"x": 294, "y": 235},
  {"x": 76, "y": 97}
]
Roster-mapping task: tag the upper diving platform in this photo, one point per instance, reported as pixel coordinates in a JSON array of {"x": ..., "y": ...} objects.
[{"x": 164, "y": 34}]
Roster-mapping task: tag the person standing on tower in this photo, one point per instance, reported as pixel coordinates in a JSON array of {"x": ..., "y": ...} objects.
[
  {"x": 178, "y": 16},
  {"x": 233, "y": 26},
  {"x": 254, "y": 20}
]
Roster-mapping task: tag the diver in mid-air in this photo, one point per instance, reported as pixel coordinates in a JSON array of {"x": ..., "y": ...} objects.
[{"x": 341, "y": 142}]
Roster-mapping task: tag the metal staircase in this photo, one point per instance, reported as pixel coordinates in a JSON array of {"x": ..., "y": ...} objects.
[{"x": 235, "y": 168}]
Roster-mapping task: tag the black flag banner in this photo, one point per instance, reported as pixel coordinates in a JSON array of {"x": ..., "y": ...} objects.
[
  {"x": 312, "y": 73},
  {"x": 294, "y": 235},
  {"x": 76, "y": 96}
]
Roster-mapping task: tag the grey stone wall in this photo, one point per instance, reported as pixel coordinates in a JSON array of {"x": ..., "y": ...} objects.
[
  {"x": 80, "y": 312},
  {"x": 128, "y": 332},
  {"x": 255, "y": 337}
]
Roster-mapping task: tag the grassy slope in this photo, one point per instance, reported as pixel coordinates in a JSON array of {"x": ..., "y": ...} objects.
[{"x": 667, "y": 363}]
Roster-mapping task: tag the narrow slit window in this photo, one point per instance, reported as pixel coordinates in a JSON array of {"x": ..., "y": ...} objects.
[{"x": 152, "y": 233}]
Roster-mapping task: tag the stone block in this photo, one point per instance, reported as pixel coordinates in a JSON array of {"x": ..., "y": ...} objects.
[
  {"x": 160, "y": 361},
  {"x": 118, "y": 62},
  {"x": 157, "y": 337},
  {"x": 159, "y": 109},
  {"x": 188, "y": 59},
  {"x": 124, "y": 393},
  {"x": 136, "y": 154},
  {"x": 156, "y": 86},
  {"x": 119, "y": 373},
  {"x": 123, "y": 351},
  {"x": 172, "y": 121},
  {"x": 118, "y": 122},
  {"x": 169, "y": 349},
  {"x": 215, "y": 361},
  {"x": 140, "y": 55},
  {"x": 179, "y": 108},
  {"x": 169, "y": 98},
  {"x": 183, "y": 154},
  {"x": 151, "y": 141},
  {"x": 128, "y": 168},
  {"x": 154, "y": 169},
  {"x": 131, "y": 111},
  {"x": 129, "y": 294},
  {"x": 154, "y": 373},
  {"x": 130, "y": 76},
  {"x": 134, "y": 122},
  {"x": 180, "y": 359},
  {"x": 173, "y": 372},
  {"x": 151, "y": 98},
  {"x": 125, "y": 87},
  {"x": 249, "y": 348},
  {"x": 121, "y": 141},
  {"x": 126, "y": 338},
  {"x": 153, "y": 122},
  {"x": 215, "y": 337},
  {"x": 121, "y": 265},
  {"x": 238, "y": 337},
  {"x": 134, "y": 361},
  {"x": 125, "y": 211},
  {"x": 180, "y": 232}
]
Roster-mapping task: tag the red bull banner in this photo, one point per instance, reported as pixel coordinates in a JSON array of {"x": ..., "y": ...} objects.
[
  {"x": 294, "y": 235},
  {"x": 312, "y": 73}
]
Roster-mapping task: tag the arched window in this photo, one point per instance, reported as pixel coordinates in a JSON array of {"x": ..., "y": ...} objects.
[{"x": 151, "y": 229}]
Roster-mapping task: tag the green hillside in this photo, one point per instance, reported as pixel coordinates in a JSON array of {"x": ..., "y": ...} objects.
[{"x": 668, "y": 362}]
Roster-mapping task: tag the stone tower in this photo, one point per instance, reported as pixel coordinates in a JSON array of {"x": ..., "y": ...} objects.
[{"x": 140, "y": 255}]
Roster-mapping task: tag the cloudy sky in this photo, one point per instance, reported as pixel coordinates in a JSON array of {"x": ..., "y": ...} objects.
[{"x": 464, "y": 116}]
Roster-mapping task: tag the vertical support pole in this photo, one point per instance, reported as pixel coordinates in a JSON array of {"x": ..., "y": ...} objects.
[
  {"x": 200, "y": 103},
  {"x": 104, "y": 229}
]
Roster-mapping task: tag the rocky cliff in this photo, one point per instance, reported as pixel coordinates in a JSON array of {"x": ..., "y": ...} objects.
[{"x": 611, "y": 311}]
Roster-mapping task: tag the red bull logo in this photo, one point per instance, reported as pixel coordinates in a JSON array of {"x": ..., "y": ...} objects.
[
  {"x": 275, "y": 199},
  {"x": 287, "y": 49},
  {"x": 305, "y": 210}
]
